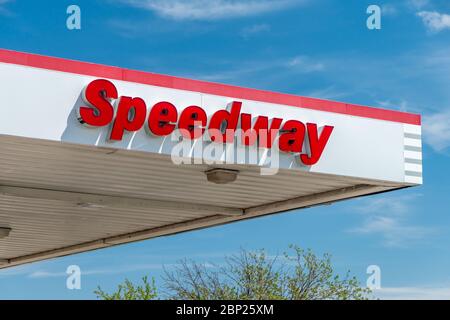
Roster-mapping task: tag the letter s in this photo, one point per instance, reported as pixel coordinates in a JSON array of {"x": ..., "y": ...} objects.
[{"x": 99, "y": 111}]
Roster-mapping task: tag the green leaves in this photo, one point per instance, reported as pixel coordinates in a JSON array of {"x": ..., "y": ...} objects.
[
  {"x": 295, "y": 275},
  {"x": 129, "y": 291},
  {"x": 255, "y": 276}
]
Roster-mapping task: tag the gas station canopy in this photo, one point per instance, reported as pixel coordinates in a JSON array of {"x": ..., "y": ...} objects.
[{"x": 94, "y": 156}]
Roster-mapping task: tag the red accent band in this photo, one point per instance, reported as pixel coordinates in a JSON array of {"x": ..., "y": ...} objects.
[{"x": 102, "y": 71}]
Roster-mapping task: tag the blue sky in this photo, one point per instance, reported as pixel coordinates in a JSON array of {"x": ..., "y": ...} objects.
[{"x": 318, "y": 48}]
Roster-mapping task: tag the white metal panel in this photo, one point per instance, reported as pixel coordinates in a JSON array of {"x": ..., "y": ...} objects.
[{"x": 359, "y": 147}]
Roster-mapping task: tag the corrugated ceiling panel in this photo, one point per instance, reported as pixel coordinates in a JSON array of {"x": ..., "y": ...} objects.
[{"x": 45, "y": 224}]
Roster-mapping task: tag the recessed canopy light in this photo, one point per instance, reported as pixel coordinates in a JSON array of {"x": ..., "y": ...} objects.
[
  {"x": 221, "y": 176},
  {"x": 4, "y": 232}
]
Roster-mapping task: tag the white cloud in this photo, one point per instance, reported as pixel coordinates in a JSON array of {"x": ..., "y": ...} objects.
[
  {"x": 3, "y": 10},
  {"x": 255, "y": 29},
  {"x": 435, "y": 21},
  {"x": 413, "y": 293},
  {"x": 417, "y": 4},
  {"x": 393, "y": 9},
  {"x": 389, "y": 9},
  {"x": 15, "y": 271},
  {"x": 387, "y": 217},
  {"x": 436, "y": 129},
  {"x": 245, "y": 72},
  {"x": 392, "y": 231},
  {"x": 305, "y": 64},
  {"x": 393, "y": 205},
  {"x": 401, "y": 105},
  {"x": 211, "y": 9},
  {"x": 46, "y": 274},
  {"x": 116, "y": 270},
  {"x": 328, "y": 93}
]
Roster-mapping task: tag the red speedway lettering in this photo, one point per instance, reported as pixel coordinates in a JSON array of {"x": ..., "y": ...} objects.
[{"x": 129, "y": 114}]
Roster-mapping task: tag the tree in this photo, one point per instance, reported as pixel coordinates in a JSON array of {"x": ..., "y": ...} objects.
[
  {"x": 129, "y": 291},
  {"x": 257, "y": 276}
]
